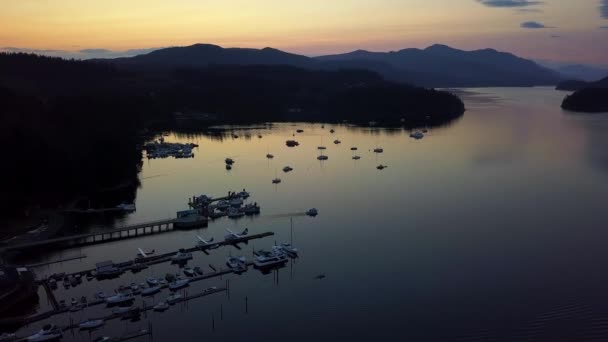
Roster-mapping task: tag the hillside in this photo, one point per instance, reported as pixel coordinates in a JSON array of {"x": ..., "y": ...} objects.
[
  {"x": 573, "y": 85},
  {"x": 591, "y": 98}
]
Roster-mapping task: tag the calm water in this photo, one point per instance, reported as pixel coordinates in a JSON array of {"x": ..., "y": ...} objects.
[{"x": 492, "y": 228}]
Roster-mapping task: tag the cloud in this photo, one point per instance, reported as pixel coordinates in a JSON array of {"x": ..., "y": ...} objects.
[
  {"x": 81, "y": 54},
  {"x": 533, "y": 25},
  {"x": 604, "y": 9},
  {"x": 604, "y": 27},
  {"x": 528, "y": 10},
  {"x": 509, "y": 3}
]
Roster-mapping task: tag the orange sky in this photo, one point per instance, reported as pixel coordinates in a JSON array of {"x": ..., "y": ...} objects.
[{"x": 310, "y": 27}]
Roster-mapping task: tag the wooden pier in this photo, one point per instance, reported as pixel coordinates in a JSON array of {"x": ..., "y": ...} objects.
[{"x": 148, "y": 228}]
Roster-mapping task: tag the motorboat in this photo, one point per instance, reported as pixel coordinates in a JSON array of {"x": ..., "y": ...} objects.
[
  {"x": 198, "y": 270},
  {"x": 332, "y": 130},
  {"x": 251, "y": 209},
  {"x": 222, "y": 205},
  {"x": 276, "y": 181},
  {"x": 417, "y": 135},
  {"x": 149, "y": 291},
  {"x": 122, "y": 310},
  {"x": 237, "y": 264},
  {"x": 152, "y": 281},
  {"x": 322, "y": 157},
  {"x": 135, "y": 288},
  {"x": 74, "y": 301},
  {"x": 269, "y": 156},
  {"x": 381, "y": 167},
  {"x": 300, "y": 131},
  {"x": 378, "y": 150},
  {"x": 119, "y": 299},
  {"x": 287, "y": 248},
  {"x": 178, "y": 284},
  {"x": 235, "y": 213},
  {"x": 292, "y": 143},
  {"x": 206, "y": 243},
  {"x": 264, "y": 259},
  {"x": 356, "y": 157},
  {"x": 337, "y": 142},
  {"x": 162, "y": 306},
  {"x": 100, "y": 295},
  {"x": 189, "y": 271},
  {"x": 235, "y": 236},
  {"x": 287, "y": 169},
  {"x": 91, "y": 324},
  {"x": 236, "y": 202},
  {"x": 353, "y": 148},
  {"x": 174, "y": 298},
  {"x": 210, "y": 289},
  {"x": 228, "y": 167},
  {"x": 229, "y": 161},
  {"x": 321, "y": 148},
  {"x": 312, "y": 212},
  {"x": 181, "y": 256},
  {"x": 243, "y": 194},
  {"x": 49, "y": 332}
]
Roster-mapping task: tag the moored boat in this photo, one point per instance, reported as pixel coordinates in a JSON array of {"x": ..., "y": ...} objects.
[
  {"x": 178, "y": 284},
  {"x": 161, "y": 306},
  {"x": 91, "y": 324},
  {"x": 266, "y": 259},
  {"x": 149, "y": 291}
]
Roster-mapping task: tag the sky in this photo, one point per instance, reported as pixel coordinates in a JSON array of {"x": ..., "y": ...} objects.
[{"x": 554, "y": 30}]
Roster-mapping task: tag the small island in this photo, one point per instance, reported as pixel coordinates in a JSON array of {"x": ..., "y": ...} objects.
[{"x": 590, "y": 97}]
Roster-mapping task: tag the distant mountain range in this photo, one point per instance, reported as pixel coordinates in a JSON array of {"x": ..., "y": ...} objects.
[
  {"x": 572, "y": 85},
  {"x": 435, "y": 66}
]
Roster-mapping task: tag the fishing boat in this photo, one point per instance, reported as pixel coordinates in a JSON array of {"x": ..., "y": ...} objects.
[
  {"x": 161, "y": 306},
  {"x": 49, "y": 332},
  {"x": 148, "y": 291},
  {"x": 265, "y": 259},
  {"x": 189, "y": 271},
  {"x": 174, "y": 298},
  {"x": 181, "y": 256},
  {"x": 312, "y": 212},
  {"x": 91, "y": 324},
  {"x": 119, "y": 299},
  {"x": 152, "y": 281},
  {"x": 178, "y": 284}
]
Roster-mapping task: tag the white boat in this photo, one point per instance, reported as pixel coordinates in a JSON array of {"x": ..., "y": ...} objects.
[
  {"x": 178, "y": 284},
  {"x": 235, "y": 213},
  {"x": 265, "y": 259},
  {"x": 276, "y": 181},
  {"x": 161, "y": 306},
  {"x": 378, "y": 150},
  {"x": 91, "y": 324},
  {"x": 287, "y": 169},
  {"x": 417, "y": 135},
  {"x": 237, "y": 264},
  {"x": 48, "y": 332},
  {"x": 312, "y": 212},
  {"x": 119, "y": 299},
  {"x": 189, "y": 271},
  {"x": 356, "y": 157},
  {"x": 152, "y": 281},
  {"x": 322, "y": 157},
  {"x": 148, "y": 291},
  {"x": 287, "y": 248},
  {"x": 174, "y": 298},
  {"x": 181, "y": 256}
]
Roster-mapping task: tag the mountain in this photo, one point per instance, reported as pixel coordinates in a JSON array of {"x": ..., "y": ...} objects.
[
  {"x": 582, "y": 72},
  {"x": 593, "y": 98},
  {"x": 576, "y": 85},
  {"x": 435, "y": 66}
]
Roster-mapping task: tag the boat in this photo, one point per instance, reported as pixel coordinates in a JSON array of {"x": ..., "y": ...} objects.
[
  {"x": 276, "y": 181},
  {"x": 210, "y": 289},
  {"x": 269, "y": 156},
  {"x": 353, "y": 148},
  {"x": 287, "y": 169},
  {"x": 181, "y": 256},
  {"x": 251, "y": 209},
  {"x": 417, "y": 135},
  {"x": 49, "y": 332},
  {"x": 378, "y": 150},
  {"x": 425, "y": 130},
  {"x": 152, "y": 281},
  {"x": 237, "y": 264},
  {"x": 163, "y": 282},
  {"x": 287, "y": 248},
  {"x": 89, "y": 277},
  {"x": 322, "y": 157},
  {"x": 236, "y": 202},
  {"x": 135, "y": 288},
  {"x": 337, "y": 142},
  {"x": 229, "y": 161},
  {"x": 312, "y": 212},
  {"x": 189, "y": 271},
  {"x": 243, "y": 194},
  {"x": 8, "y": 337},
  {"x": 292, "y": 143},
  {"x": 331, "y": 130},
  {"x": 300, "y": 131},
  {"x": 148, "y": 291},
  {"x": 128, "y": 207},
  {"x": 198, "y": 270},
  {"x": 235, "y": 213},
  {"x": 222, "y": 205},
  {"x": 119, "y": 299},
  {"x": 161, "y": 306},
  {"x": 321, "y": 148},
  {"x": 264, "y": 259},
  {"x": 381, "y": 167},
  {"x": 100, "y": 295},
  {"x": 174, "y": 298},
  {"x": 228, "y": 167},
  {"x": 178, "y": 284},
  {"x": 122, "y": 310},
  {"x": 356, "y": 157},
  {"x": 91, "y": 324},
  {"x": 74, "y": 301}
]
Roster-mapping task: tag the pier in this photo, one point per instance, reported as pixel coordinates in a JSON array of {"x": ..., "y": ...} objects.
[{"x": 137, "y": 230}]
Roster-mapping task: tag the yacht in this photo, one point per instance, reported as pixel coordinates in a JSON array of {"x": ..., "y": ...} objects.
[
  {"x": 119, "y": 299},
  {"x": 162, "y": 306},
  {"x": 189, "y": 271},
  {"x": 178, "y": 284},
  {"x": 322, "y": 157},
  {"x": 174, "y": 298},
  {"x": 181, "y": 256},
  {"x": 276, "y": 181},
  {"x": 48, "y": 332},
  {"x": 417, "y": 135},
  {"x": 378, "y": 150},
  {"x": 237, "y": 264},
  {"x": 235, "y": 213},
  {"x": 91, "y": 324},
  {"x": 265, "y": 259},
  {"x": 150, "y": 290},
  {"x": 356, "y": 157},
  {"x": 312, "y": 212},
  {"x": 287, "y": 169},
  {"x": 287, "y": 248},
  {"x": 152, "y": 281}
]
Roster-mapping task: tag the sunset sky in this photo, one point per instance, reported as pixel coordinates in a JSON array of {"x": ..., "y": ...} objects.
[{"x": 561, "y": 30}]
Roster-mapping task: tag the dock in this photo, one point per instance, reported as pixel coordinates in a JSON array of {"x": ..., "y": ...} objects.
[{"x": 133, "y": 231}]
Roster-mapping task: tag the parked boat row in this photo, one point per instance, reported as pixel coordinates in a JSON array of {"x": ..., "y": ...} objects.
[{"x": 162, "y": 149}]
